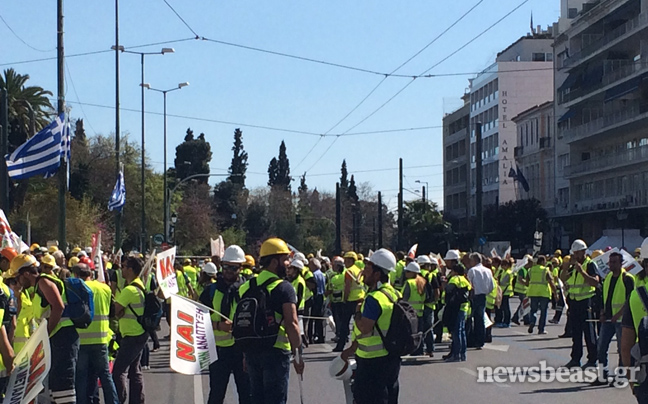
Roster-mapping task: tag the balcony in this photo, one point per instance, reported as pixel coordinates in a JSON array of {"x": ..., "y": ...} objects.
[
  {"x": 632, "y": 112},
  {"x": 518, "y": 151},
  {"x": 608, "y": 162},
  {"x": 545, "y": 142},
  {"x": 628, "y": 28},
  {"x": 614, "y": 71}
]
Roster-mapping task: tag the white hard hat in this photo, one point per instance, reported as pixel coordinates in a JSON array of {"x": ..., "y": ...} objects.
[
  {"x": 385, "y": 259},
  {"x": 88, "y": 250},
  {"x": 434, "y": 261},
  {"x": 413, "y": 267},
  {"x": 301, "y": 257},
  {"x": 423, "y": 259},
  {"x": 297, "y": 263},
  {"x": 340, "y": 369},
  {"x": 210, "y": 268},
  {"x": 326, "y": 259},
  {"x": 578, "y": 245},
  {"x": 234, "y": 254},
  {"x": 452, "y": 255},
  {"x": 644, "y": 250}
]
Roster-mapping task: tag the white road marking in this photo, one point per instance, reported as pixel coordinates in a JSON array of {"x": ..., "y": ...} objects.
[
  {"x": 501, "y": 348},
  {"x": 198, "y": 390},
  {"x": 474, "y": 374}
]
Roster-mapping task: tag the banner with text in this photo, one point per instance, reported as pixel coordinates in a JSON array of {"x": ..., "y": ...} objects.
[
  {"x": 192, "y": 340},
  {"x": 32, "y": 365},
  {"x": 165, "y": 273},
  {"x": 629, "y": 263}
]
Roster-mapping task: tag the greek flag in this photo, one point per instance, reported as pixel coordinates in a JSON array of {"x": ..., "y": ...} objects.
[
  {"x": 118, "y": 197},
  {"x": 41, "y": 154}
]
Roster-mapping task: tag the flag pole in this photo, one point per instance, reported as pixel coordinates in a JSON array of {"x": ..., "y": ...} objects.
[{"x": 62, "y": 174}]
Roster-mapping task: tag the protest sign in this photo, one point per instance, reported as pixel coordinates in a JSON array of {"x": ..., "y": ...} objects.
[{"x": 165, "y": 273}]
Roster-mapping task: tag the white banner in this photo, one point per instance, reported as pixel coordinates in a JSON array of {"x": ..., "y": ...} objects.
[
  {"x": 32, "y": 365},
  {"x": 192, "y": 338},
  {"x": 165, "y": 273},
  {"x": 146, "y": 271},
  {"x": 217, "y": 247},
  {"x": 629, "y": 263}
]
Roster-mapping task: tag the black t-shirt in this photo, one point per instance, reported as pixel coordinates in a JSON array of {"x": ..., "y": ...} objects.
[
  {"x": 282, "y": 293},
  {"x": 629, "y": 286}
]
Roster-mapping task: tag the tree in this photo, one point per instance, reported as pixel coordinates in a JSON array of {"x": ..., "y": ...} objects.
[
  {"x": 195, "y": 226},
  {"x": 273, "y": 172},
  {"x": 515, "y": 221},
  {"x": 193, "y": 157},
  {"x": 80, "y": 165},
  {"x": 352, "y": 191},
  {"x": 424, "y": 224},
  {"x": 279, "y": 170},
  {"x": 303, "y": 188},
  {"x": 344, "y": 182},
  {"x": 239, "y": 164}
]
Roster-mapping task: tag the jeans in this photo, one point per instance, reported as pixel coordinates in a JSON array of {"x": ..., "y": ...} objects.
[
  {"x": 93, "y": 364},
  {"x": 376, "y": 380},
  {"x": 579, "y": 313},
  {"x": 608, "y": 330},
  {"x": 505, "y": 307},
  {"x": 458, "y": 348},
  {"x": 127, "y": 371},
  {"x": 541, "y": 303},
  {"x": 338, "y": 314},
  {"x": 230, "y": 360},
  {"x": 520, "y": 310},
  {"x": 65, "y": 350},
  {"x": 308, "y": 305},
  {"x": 349, "y": 309},
  {"x": 316, "y": 327},
  {"x": 478, "y": 311},
  {"x": 428, "y": 322},
  {"x": 269, "y": 371}
]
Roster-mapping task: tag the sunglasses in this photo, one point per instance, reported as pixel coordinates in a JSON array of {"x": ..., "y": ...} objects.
[{"x": 230, "y": 267}]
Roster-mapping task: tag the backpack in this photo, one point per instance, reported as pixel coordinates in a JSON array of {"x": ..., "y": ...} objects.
[
  {"x": 150, "y": 319},
  {"x": 403, "y": 336},
  {"x": 254, "y": 326},
  {"x": 80, "y": 302}
]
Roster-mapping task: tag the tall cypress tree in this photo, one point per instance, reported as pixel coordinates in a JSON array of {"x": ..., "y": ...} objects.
[
  {"x": 239, "y": 165},
  {"x": 344, "y": 182},
  {"x": 283, "y": 168}
]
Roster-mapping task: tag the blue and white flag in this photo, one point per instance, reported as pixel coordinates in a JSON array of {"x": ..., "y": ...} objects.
[
  {"x": 41, "y": 154},
  {"x": 118, "y": 197}
]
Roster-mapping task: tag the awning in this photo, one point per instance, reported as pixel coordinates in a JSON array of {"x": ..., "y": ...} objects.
[
  {"x": 570, "y": 81},
  {"x": 622, "y": 89},
  {"x": 569, "y": 114}
]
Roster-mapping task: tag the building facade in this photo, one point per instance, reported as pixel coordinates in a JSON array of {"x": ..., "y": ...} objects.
[
  {"x": 601, "y": 93},
  {"x": 456, "y": 142}
]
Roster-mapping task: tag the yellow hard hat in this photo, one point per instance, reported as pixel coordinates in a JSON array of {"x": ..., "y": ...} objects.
[
  {"x": 557, "y": 252},
  {"x": 49, "y": 260},
  {"x": 21, "y": 261},
  {"x": 76, "y": 250},
  {"x": 351, "y": 254},
  {"x": 249, "y": 261},
  {"x": 52, "y": 249},
  {"x": 555, "y": 261},
  {"x": 274, "y": 246},
  {"x": 567, "y": 258},
  {"x": 186, "y": 261},
  {"x": 73, "y": 261},
  {"x": 311, "y": 255},
  {"x": 360, "y": 257},
  {"x": 34, "y": 247},
  {"x": 597, "y": 253},
  {"x": 637, "y": 250}
]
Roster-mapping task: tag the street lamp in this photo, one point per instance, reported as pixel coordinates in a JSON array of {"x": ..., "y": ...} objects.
[
  {"x": 622, "y": 215},
  {"x": 164, "y": 93},
  {"x": 143, "y": 86},
  {"x": 427, "y": 187}
]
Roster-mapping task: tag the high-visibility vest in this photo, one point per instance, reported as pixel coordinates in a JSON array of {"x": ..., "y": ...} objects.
[
  {"x": 370, "y": 345},
  {"x": 416, "y": 299},
  {"x": 505, "y": 280},
  {"x": 223, "y": 339},
  {"x": 492, "y": 296},
  {"x": 192, "y": 274},
  {"x": 538, "y": 284},
  {"x": 619, "y": 292},
  {"x": 357, "y": 291},
  {"x": 200, "y": 288},
  {"x": 183, "y": 289},
  {"x": 519, "y": 287},
  {"x": 41, "y": 312},
  {"x": 396, "y": 277},
  {"x": 121, "y": 282},
  {"x": 307, "y": 275},
  {"x": 461, "y": 282},
  {"x": 24, "y": 322},
  {"x": 336, "y": 285},
  {"x": 299, "y": 284},
  {"x": 578, "y": 288},
  {"x": 98, "y": 332},
  {"x": 7, "y": 292},
  {"x": 282, "y": 337}
]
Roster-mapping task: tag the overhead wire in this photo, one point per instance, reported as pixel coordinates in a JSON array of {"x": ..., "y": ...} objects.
[
  {"x": 182, "y": 19},
  {"x": 22, "y": 40},
  {"x": 76, "y": 94}
]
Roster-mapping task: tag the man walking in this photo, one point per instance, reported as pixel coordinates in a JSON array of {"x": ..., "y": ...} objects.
[
  {"x": 481, "y": 279},
  {"x": 540, "y": 285},
  {"x": 353, "y": 295},
  {"x": 316, "y": 327}
]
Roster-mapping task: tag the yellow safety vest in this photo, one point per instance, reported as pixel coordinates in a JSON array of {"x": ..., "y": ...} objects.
[
  {"x": 282, "y": 338},
  {"x": 619, "y": 292},
  {"x": 578, "y": 288},
  {"x": 192, "y": 274},
  {"x": 336, "y": 285},
  {"x": 356, "y": 292},
  {"x": 24, "y": 322},
  {"x": 299, "y": 284},
  {"x": 519, "y": 287},
  {"x": 637, "y": 310},
  {"x": 98, "y": 332},
  {"x": 223, "y": 339},
  {"x": 41, "y": 312},
  {"x": 538, "y": 284},
  {"x": 505, "y": 280},
  {"x": 416, "y": 299},
  {"x": 306, "y": 274},
  {"x": 492, "y": 296},
  {"x": 183, "y": 289},
  {"x": 461, "y": 282},
  {"x": 370, "y": 345},
  {"x": 7, "y": 292},
  {"x": 396, "y": 277},
  {"x": 128, "y": 324}
]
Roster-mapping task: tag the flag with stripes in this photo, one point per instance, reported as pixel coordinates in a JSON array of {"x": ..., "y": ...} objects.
[
  {"x": 41, "y": 154},
  {"x": 118, "y": 197}
]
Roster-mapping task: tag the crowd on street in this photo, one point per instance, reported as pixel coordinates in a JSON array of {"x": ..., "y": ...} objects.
[{"x": 267, "y": 310}]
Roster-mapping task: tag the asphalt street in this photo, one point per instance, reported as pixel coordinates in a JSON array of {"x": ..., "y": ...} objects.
[{"x": 427, "y": 381}]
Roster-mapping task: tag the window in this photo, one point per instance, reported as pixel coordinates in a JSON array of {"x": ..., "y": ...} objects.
[
  {"x": 572, "y": 13},
  {"x": 549, "y": 57},
  {"x": 538, "y": 57}
]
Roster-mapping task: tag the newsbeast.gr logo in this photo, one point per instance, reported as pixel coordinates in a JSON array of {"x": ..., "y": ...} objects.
[{"x": 548, "y": 374}]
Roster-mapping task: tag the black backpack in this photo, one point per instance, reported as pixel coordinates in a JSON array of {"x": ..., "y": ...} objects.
[
  {"x": 150, "y": 320},
  {"x": 403, "y": 336},
  {"x": 254, "y": 325}
]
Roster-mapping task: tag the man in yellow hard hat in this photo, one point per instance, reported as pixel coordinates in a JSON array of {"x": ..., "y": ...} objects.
[
  {"x": 269, "y": 366},
  {"x": 353, "y": 295},
  {"x": 248, "y": 267},
  {"x": 190, "y": 271}
]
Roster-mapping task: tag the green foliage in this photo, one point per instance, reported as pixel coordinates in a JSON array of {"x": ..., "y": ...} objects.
[
  {"x": 239, "y": 164},
  {"x": 515, "y": 221},
  {"x": 193, "y": 157},
  {"x": 279, "y": 170},
  {"x": 424, "y": 224},
  {"x": 194, "y": 226},
  {"x": 234, "y": 236},
  {"x": 344, "y": 181}
]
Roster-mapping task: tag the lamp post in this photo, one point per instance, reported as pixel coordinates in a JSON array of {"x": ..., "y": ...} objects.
[
  {"x": 164, "y": 93},
  {"x": 622, "y": 215},
  {"x": 427, "y": 187},
  {"x": 142, "y": 54}
]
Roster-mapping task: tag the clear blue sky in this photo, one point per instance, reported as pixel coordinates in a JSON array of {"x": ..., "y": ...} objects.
[{"x": 248, "y": 87}]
